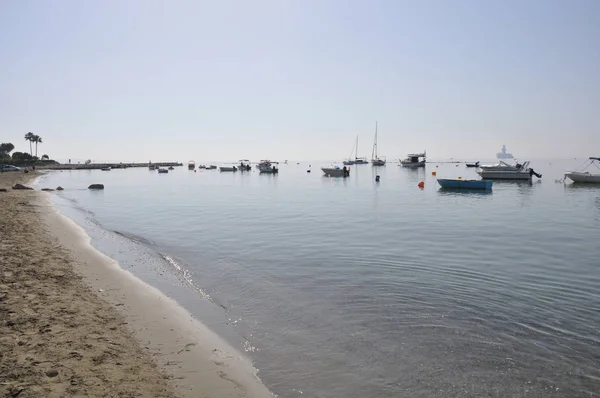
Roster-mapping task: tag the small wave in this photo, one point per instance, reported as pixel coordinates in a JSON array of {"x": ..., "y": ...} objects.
[
  {"x": 185, "y": 276},
  {"x": 135, "y": 238}
]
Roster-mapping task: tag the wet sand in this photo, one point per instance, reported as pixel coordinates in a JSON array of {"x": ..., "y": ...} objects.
[{"x": 73, "y": 323}]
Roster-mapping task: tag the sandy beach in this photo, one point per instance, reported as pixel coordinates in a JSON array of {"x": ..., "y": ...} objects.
[{"x": 73, "y": 323}]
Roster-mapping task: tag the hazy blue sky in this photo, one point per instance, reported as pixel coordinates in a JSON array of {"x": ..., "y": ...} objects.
[{"x": 224, "y": 80}]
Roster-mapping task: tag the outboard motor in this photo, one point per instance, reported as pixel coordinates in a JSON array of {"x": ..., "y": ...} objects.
[{"x": 533, "y": 173}]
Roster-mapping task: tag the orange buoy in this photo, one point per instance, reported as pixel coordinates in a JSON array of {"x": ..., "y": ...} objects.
[
  {"x": 433, "y": 173},
  {"x": 421, "y": 184}
]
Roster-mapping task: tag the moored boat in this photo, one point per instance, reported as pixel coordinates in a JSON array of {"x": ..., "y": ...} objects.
[
  {"x": 267, "y": 167},
  {"x": 356, "y": 159},
  {"x": 336, "y": 171},
  {"x": 375, "y": 159},
  {"x": 105, "y": 169},
  {"x": 465, "y": 184},
  {"x": 505, "y": 171},
  {"x": 245, "y": 165},
  {"x": 414, "y": 160},
  {"x": 162, "y": 171},
  {"x": 191, "y": 165},
  {"x": 501, "y": 166},
  {"x": 585, "y": 176},
  {"x": 476, "y": 164},
  {"x": 228, "y": 168},
  {"x": 211, "y": 167}
]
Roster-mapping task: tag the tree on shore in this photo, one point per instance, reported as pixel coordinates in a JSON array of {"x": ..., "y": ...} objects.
[
  {"x": 38, "y": 140},
  {"x": 30, "y": 137},
  {"x": 6, "y": 148},
  {"x": 21, "y": 157}
]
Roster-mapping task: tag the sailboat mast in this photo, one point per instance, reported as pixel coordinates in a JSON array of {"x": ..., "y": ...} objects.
[
  {"x": 356, "y": 155},
  {"x": 376, "y": 156},
  {"x": 374, "y": 151}
]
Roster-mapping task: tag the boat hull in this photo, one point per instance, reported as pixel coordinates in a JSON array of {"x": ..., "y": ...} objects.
[
  {"x": 577, "y": 176},
  {"x": 335, "y": 172},
  {"x": 378, "y": 162},
  {"x": 504, "y": 175},
  {"x": 413, "y": 165},
  {"x": 466, "y": 184},
  {"x": 227, "y": 168}
]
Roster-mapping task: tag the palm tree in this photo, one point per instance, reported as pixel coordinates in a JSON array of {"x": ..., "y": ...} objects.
[
  {"x": 38, "y": 140},
  {"x": 30, "y": 137}
]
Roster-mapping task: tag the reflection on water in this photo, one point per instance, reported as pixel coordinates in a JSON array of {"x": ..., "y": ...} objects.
[
  {"x": 350, "y": 288},
  {"x": 465, "y": 192}
]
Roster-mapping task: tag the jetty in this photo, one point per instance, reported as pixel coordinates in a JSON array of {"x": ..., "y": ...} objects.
[{"x": 100, "y": 166}]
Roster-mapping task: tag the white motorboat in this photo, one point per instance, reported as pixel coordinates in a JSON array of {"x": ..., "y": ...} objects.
[
  {"x": 414, "y": 160},
  {"x": 505, "y": 171},
  {"x": 267, "y": 167},
  {"x": 585, "y": 176},
  {"x": 336, "y": 171},
  {"x": 501, "y": 166},
  {"x": 356, "y": 159},
  {"x": 375, "y": 159},
  {"x": 228, "y": 168},
  {"x": 191, "y": 165}
]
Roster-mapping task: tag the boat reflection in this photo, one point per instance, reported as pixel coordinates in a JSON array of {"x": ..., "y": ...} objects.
[{"x": 464, "y": 192}]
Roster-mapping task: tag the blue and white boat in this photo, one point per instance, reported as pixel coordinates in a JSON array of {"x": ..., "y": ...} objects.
[{"x": 466, "y": 184}]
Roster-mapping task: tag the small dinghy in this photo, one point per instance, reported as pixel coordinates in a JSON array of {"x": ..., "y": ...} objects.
[{"x": 476, "y": 164}]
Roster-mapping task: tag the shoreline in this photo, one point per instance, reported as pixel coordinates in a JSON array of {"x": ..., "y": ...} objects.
[{"x": 197, "y": 361}]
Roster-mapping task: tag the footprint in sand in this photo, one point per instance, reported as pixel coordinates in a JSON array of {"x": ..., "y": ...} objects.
[{"x": 187, "y": 347}]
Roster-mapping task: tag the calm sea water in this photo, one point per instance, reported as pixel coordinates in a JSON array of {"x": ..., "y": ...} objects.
[{"x": 352, "y": 288}]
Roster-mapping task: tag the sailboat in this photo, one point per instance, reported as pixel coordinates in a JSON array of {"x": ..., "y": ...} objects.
[
  {"x": 375, "y": 159},
  {"x": 356, "y": 159}
]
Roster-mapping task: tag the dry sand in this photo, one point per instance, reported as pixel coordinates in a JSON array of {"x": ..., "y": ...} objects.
[
  {"x": 73, "y": 323},
  {"x": 56, "y": 338}
]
